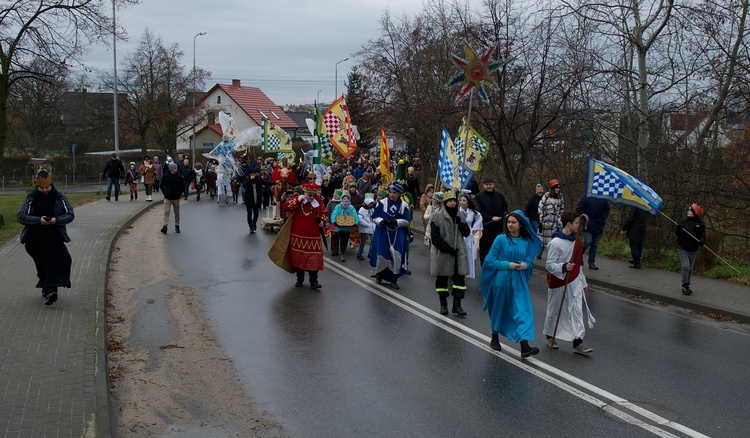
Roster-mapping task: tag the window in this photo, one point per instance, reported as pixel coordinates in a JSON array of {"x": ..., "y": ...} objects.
[
  {"x": 218, "y": 100},
  {"x": 275, "y": 115},
  {"x": 263, "y": 114}
]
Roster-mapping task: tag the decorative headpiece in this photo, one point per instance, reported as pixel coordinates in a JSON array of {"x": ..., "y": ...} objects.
[
  {"x": 309, "y": 187},
  {"x": 396, "y": 187},
  {"x": 43, "y": 178}
]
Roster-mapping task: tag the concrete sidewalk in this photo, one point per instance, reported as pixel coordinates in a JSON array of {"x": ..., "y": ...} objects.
[
  {"x": 709, "y": 295},
  {"x": 53, "y": 373}
]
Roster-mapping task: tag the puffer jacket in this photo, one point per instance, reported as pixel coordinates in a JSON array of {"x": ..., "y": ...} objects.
[{"x": 445, "y": 235}]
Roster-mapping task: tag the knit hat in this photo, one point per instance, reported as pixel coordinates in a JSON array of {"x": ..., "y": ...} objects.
[
  {"x": 448, "y": 195},
  {"x": 554, "y": 183},
  {"x": 396, "y": 187},
  {"x": 43, "y": 178},
  {"x": 487, "y": 180},
  {"x": 172, "y": 165},
  {"x": 696, "y": 209},
  {"x": 132, "y": 164},
  {"x": 346, "y": 195}
]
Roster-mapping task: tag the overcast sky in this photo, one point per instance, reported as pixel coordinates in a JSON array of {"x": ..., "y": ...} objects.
[{"x": 287, "y": 48}]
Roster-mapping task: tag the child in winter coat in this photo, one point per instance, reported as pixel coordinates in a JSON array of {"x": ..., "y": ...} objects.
[
  {"x": 345, "y": 208},
  {"x": 131, "y": 179},
  {"x": 366, "y": 225}
]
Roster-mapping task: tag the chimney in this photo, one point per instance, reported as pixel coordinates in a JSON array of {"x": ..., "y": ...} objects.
[{"x": 235, "y": 83}]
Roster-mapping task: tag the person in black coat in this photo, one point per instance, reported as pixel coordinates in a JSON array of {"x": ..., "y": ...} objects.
[
  {"x": 172, "y": 187},
  {"x": 253, "y": 198},
  {"x": 188, "y": 176},
  {"x": 634, "y": 227},
  {"x": 691, "y": 235},
  {"x": 113, "y": 171},
  {"x": 44, "y": 215},
  {"x": 597, "y": 211},
  {"x": 493, "y": 208}
]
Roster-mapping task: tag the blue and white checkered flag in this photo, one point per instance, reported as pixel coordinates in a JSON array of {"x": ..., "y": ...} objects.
[
  {"x": 451, "y": 174},
  {"x": 607, "y": 182}
]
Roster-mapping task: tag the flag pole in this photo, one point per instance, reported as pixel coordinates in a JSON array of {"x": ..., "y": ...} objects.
[{"x": 698, "y": 240}]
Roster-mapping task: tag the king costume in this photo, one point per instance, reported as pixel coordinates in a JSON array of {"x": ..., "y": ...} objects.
[
  {"x": 564, "y": 248},
  {"x": 388, "y": 248},
  {"x": 305, "y": 245}
]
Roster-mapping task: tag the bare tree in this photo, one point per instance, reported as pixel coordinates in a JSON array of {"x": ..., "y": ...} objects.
[{"x": 50, "y": 30}]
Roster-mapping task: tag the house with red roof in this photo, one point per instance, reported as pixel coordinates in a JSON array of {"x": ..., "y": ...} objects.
[{"x": 248, "y": 106}]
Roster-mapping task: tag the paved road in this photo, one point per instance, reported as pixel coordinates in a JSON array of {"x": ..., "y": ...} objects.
[{"x": 357, "y": 358}]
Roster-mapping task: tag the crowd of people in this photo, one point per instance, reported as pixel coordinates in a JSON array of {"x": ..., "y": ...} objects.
[{"x": 352, "y": 206}]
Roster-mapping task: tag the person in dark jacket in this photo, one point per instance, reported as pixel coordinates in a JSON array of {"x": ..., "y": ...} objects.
[
  {"x": 253, "y": 188},
  {"x": 113, "y": 171},
  {"x": 172, "y": 187},
  {"x": 188, "y": 176},
  {"x": 493, "y": 208},
  {"x": 597, "y": 211},
  {"x": 691, "y": 234},
  {"x": 44, "y": 215},
  {"x": 634, "y": 227}
]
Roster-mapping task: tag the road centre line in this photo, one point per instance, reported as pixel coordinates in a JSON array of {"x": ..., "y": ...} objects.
[{"x": 614, "y": 406}]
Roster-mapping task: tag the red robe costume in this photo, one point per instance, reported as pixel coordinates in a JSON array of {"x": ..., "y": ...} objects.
[{"x": 305, "y": 244}]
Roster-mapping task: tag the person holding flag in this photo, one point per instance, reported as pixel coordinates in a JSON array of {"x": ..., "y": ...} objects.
[{"x": 691, "y": 235}]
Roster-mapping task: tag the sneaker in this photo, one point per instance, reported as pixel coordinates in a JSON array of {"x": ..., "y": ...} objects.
[
  {"x": 552, "y": 343},
  {"x": 360, "y": 257},
  {"x": 593, "y": 267},
  {"x": 343, "y": 259},
  {"x": 177, "y": 230},
  {"x": 582, "y": 349},
  {"x": 51, "y": 298},
  {"x": 164, "y": 229},
  {"x": 686, "y": 290}
]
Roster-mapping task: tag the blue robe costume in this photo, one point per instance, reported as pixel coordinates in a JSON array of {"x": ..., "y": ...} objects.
[
  {"x": 388, "y": 254},
  {"x": 505, "y": 290}
]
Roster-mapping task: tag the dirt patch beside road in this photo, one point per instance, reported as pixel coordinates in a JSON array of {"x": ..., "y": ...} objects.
[{"x": 188, "y": 387}]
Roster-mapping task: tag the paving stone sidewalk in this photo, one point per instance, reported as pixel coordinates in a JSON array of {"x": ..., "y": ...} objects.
[{"x": 53, "y": 370}]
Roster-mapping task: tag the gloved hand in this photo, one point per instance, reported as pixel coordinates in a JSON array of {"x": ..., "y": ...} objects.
[{"x": 383, "y": 223}]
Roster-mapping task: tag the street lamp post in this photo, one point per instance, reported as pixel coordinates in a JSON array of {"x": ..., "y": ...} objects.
[
  {"x": 114, "y": 53},
  {"x": 336, "y": 78},
  {"x": 193, "y": 138}
]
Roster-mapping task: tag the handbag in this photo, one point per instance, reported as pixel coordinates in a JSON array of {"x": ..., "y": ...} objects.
[
  {"x": 279, "y": 251},
  {"x": 345, "y": 220}
]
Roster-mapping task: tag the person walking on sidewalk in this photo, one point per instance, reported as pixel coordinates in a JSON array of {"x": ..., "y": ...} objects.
[
  {"x": 131, "y": 179},
  {"x": 597, "y": 211},
  {"x": 566, "y": 286},
  {"x": 691, "y": 235},
  {"x": 148, "y": 174},
  {"x": 504, "y": 283},
  {"x": 448, "y": 254},
  {"x": 172, "y": 186},
  {"x": 113, "y": 171},
  {"x": 634, "y": 228},
  {"x": 550, "y": 211},
  {"x": 44, "y": 215}
]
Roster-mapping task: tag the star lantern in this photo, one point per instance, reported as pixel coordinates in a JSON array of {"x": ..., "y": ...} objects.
[{"x": 476, "y": 72}]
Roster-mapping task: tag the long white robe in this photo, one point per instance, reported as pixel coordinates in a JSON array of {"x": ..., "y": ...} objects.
[
  {"x": 474, "y": 220},
  {"x": 571, "y": 324}
]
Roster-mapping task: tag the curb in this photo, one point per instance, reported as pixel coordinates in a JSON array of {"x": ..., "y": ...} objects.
[{"x": 104, "y": 414}]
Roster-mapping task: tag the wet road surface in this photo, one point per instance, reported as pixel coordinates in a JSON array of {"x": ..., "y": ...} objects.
[{"x": 358, "y": 359}]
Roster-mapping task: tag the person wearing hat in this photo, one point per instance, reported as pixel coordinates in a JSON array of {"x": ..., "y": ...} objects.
[
  {"x": 344, "y": 209},
  {"x": 131, "y": 179},
  {"x": 330, "y": 206},
  {"x": 253, "y": 188},
  {"x": 550, "y": 211},
  {"x": 366, "y": 225},
  {"x": 44, "y": 215},
  {"x": 113, "y": 171},
  {"x": 691, "y": 235},
  {"x": 172, "y": 187},
  {"x": 388, "y": 248},
  {"x": 436, "y": 204},
  {"x": 148, "y": 176},
  {"x": 493, "y": 208},
  {"x": 448, "y": 254},
  {"x": 200, "y": 179},
  {"x": 308, "y": 218}
]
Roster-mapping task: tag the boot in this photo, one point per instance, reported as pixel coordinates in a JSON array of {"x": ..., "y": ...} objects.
[
  {"x": 443, "y": 302},
  {"x": 495, "y": 342},
  {"x": 527, "y": 350},
  {"x": 300, "y": 278},
  {"x": 131, "y": 196},
  {"x": 457, "y": 310},
  {"x": 314, "y": 280},
  {"x": 136, "y": 196}
]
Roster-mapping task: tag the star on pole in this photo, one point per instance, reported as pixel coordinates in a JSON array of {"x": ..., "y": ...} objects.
[{"x": 476, "y": 72}]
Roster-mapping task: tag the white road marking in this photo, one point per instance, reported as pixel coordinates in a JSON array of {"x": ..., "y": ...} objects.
[{"x": 614, "y": 405}]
